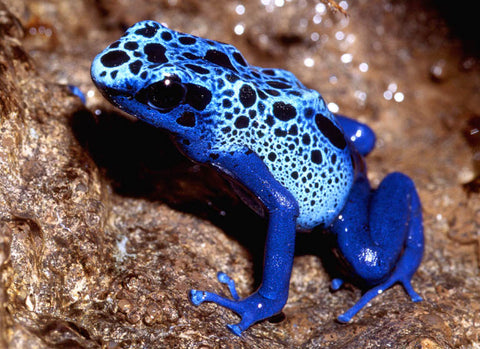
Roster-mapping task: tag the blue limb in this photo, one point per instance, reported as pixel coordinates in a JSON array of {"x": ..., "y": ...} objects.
[
  {"x": 77, "y": 92},
  {"x": 361, "y": 135},
  {"x": 227, "y": 280},
  {"x": 250, "y": 171},
  {"x": 336, "y": 284},
  {"x": 389, "y": 247}
]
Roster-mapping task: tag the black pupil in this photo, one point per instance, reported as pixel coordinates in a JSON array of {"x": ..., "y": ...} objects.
[{"x": 165, "y": 94}]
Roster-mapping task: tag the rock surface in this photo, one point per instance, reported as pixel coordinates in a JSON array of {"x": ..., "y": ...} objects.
[{"x": 104, "y": 227}]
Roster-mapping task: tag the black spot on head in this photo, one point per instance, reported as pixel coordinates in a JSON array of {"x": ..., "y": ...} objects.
[
  {"x": 229, "y": 93},
  {"x": 262, "y": 94},
  {"x": 115, "y": 44},
  {"x": 198, "y": 96},
  {"x": 187, "y": 40},
  {"x": 272, "y": 156},
  {"x": 228, "y": 116},
  {"x": 187, "y": 119},
  {"x": 316, "y": 156},
  {"x": 276, "y": 84},
  {"x": 149, "y": 31},
  {"x": 114, "y": 58},
  {"x": 197, "y": 69},
  {"x": 166, "y": 36},
  {"x": 270, "y": 121},
  {"x": 131, "y": 45},
  {"x": 294, "y": 174},
  {"x": 242, "y": 122},
  {"x": 247, "y": 96},
  {"x": 144, "y": 75},
  {"x": 220, "y": 59},
  {"x": 113, "y": 74},
  {"x": 284, "y": 111},
  {"x": 239, "y": 58},
  {"x": 155, "y": 53},
  {"x": 329, "y": 130},
  {"x": 226, "y": 129},
  {"x": 103, "y": 73},
  {"x": 135, "y": 66},
  {"x": 269, "y": 72}
]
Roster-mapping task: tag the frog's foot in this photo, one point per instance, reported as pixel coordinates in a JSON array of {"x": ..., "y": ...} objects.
[
  {"x": 251, "y": 309},
  {"x": 377, "y": 290}
]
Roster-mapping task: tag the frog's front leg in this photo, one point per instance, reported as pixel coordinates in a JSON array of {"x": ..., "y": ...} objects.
[
  {"x": 380, "y": 234},
  {"x": 249, "y": 170}
]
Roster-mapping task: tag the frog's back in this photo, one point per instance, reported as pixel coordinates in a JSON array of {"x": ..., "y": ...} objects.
[{"x": 227, "y": 105}]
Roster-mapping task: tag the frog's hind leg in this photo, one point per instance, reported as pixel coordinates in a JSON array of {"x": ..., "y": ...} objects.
[{"x": 391, "y": 249}]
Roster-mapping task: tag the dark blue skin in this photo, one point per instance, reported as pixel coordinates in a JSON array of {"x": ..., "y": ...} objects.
[{"x": 276, "y": 138}]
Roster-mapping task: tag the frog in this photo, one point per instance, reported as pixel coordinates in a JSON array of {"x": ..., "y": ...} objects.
[{"x": 297, "y": 164}]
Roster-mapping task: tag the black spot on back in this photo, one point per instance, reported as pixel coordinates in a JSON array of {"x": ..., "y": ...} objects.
[
  {"x": 239, "y": 58},
  {"x": 276, "y": 84},
  {"x": 114, "y": 58},
  {"x": 187, "y": 40},
  {"x": 155, "y": 53},
  {"x": 284, "y": 111},
  {"x": 306, "y": 139},
  {"x": 189, "y": 55},
  {"x": 272, "y": 156},
  {"x": 220, "y": 59},
  {"x": 269, "y": 72},
  {"x": 329, "y": 130},
  {"x": 197, "y": 69},
  {"x": 247, "y": 96},
  {"x": 242, "y": 122},
  {"x": 316, "y": 156},
  {"x": 272, "y": 92}
]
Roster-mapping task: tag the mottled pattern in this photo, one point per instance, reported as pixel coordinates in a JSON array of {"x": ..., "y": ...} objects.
[{"x": 209, "y": 96}]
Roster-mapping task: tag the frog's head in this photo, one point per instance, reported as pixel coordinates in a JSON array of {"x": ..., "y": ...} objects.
[{"x": 161, "y": 76}]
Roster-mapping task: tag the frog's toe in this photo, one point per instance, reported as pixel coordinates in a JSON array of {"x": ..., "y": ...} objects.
[
  {"x": 197, "y": 297},
  {"x": 414, "y": 296},
  {"x": 227, "y": 280}
]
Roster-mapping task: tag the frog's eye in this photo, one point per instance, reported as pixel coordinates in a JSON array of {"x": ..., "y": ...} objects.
[{"x": 163, "y": 95}]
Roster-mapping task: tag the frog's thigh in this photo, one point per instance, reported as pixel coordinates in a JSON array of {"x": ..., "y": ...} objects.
[{"x": 390, "y": 233}]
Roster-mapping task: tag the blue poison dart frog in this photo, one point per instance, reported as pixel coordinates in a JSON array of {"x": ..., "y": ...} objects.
[{"x": 273, "y": 136}]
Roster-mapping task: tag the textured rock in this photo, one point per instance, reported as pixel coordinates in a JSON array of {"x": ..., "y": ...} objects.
[{"x": 91, "y": 256}]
